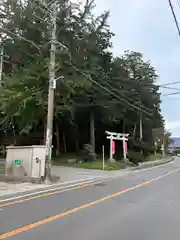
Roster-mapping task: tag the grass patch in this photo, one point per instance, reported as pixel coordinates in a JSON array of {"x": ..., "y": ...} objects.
[
  {"x": 93, "y": 165},
  {"x": 2, "y": 168},
  {"x": 153, "y": 157}
]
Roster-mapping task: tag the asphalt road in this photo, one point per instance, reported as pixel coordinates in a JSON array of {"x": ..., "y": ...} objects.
[{"x": 143, "y": 205}]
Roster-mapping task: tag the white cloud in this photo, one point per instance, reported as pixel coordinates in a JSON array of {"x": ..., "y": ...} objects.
[
  {"x": 147, "y": 26},
  {"x": 172, "y": 125}
]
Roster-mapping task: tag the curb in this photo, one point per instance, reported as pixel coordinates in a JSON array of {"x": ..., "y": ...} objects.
[
  {"x": 44, "y": 189},
  {"x": 71, "y": 184},
  {"x": 55, "y": 190},
  {"x": 153, "y": 164}
]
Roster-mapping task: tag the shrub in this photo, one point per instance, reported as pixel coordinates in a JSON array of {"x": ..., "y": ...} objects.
[
  {"x": 135, "y": 157},
  {"x": 88, "y": 153}
]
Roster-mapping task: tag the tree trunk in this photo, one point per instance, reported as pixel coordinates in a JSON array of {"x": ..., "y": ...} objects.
[
  {"x": 44, "y": 140},
  {"x": 92, "y": 131},
  {"x": 57, "y": 140},
  {"x": 134, "y": 130},
  {"x": 77, "y": 145},
  {"x": 124, "y": 126},
  {"x": 77, "y": 139},
  {"x": 64, "y": 141}
]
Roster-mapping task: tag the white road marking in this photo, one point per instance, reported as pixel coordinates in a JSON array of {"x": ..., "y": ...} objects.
[
  {"x": 89, "y": 181},
  {"x": 61, "y": 190},
  {"x": 43, "y": 191}
]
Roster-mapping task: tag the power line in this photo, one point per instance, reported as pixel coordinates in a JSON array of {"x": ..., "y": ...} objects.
[
  {"x": 21, "y": 37},
  {"x": 127, "y": 98},
  {"x": 169, "y": 98},
  {"x": 109, "y": 91},
  {"x": 178, "y": 3},
  {"x": 174, "y": 16},
  {"x": 145, "y": 111},
  {"x": 170, "y": 94},
  {"x": 122, "y": 99},
  {"x": 134, "y": 103},
  {"x": 170, "y": 88},
  {"x": 167, "y": 84},
  {"x": 157, "y": 85},
  {"x": 147, "y": 85}
]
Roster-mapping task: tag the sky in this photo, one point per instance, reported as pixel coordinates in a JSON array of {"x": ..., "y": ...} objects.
[{"x": 147, "y": 26}]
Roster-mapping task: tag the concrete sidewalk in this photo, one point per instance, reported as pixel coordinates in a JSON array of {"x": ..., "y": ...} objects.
[
  {"x": 71, "y": 173},
  {"x": 7, "y": 188},
  {"x": 69, "y": 176}
]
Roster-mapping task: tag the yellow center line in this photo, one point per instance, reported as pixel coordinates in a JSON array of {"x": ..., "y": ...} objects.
[
  {"x": 60, "y": 215},
  {"x": 41, "y": 195}
]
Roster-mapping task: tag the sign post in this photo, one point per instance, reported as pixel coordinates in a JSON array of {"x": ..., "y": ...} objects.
[{"x": 103, "y": 155}]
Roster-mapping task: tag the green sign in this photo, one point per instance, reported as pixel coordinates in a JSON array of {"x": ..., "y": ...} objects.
[{"x": 17, "y": 163}]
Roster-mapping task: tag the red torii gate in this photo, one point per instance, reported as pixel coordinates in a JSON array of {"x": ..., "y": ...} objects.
[{"x": 117, "y": 136}]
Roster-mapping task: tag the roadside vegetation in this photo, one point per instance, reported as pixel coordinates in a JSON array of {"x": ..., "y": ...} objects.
[
  {"x": 98, "y": 91},
  {"x": 98, "y": 164}
]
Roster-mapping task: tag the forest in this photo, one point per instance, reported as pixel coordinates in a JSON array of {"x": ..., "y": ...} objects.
[{"x": 95, "y": 91}]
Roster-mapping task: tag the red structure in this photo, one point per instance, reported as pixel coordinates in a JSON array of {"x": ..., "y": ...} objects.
[{"x": 113, "y": 147}]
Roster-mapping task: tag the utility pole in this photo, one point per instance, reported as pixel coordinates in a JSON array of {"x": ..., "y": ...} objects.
[
  {"x": 140, "y": 125},
  {"x": 52, "y": 86},
  {"x": 163, "y": 146},
  {"x": 1, "y": 63}
]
